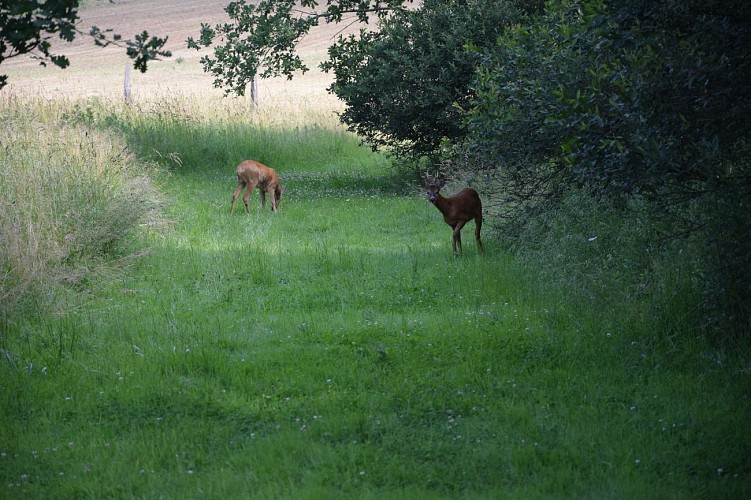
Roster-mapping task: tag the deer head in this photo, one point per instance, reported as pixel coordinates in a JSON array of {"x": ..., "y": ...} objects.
[{"x": 433, "y": 185}]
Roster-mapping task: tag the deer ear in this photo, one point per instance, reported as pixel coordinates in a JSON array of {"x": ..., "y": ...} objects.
[
  {"x": 441, "y": 183},
  {"x": 283, "y": 189}
]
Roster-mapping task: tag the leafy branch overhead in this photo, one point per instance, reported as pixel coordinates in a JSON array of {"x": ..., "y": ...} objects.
[
  {"x": 142, "y": 50},
  {"x": 261, "y": 39},
  {"x": 29, "y": 27}
]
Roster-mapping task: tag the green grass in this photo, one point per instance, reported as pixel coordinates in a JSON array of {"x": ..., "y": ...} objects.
[{"x": 336, "y": 349}]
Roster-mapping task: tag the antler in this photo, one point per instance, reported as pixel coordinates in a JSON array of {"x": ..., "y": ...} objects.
[{"x": 432, "y": 179}]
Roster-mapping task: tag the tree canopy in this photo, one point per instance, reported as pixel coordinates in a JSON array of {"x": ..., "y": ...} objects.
[
  {"x": 623, "y": 97},
  {"x": 406, "y": 85}
]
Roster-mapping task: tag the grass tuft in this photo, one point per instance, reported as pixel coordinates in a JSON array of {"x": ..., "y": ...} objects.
[{"x": 70, "y": 198}]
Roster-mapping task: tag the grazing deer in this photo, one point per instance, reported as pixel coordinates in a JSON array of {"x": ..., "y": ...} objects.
[
  {"x": 457, "y": 210},
  {"x": 250, "y": 174}
]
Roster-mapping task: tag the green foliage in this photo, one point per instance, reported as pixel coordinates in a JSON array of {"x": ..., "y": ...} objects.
[
  {"x": 622, "y": 98},
  {"x": 405, "y": 85},
  {"x": 27, "y": 26},
  {"x": 142, "y": 50}
]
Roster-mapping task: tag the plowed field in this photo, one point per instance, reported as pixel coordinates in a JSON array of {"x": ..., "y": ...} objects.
[{"x": 96, "y": 71}]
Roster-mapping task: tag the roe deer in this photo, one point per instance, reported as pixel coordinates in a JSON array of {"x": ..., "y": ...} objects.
[
  {"x": 457, "y": 210},
  {"x": 250, "y": 174}
]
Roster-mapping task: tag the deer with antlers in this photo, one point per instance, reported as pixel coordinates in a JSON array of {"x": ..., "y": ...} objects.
[
  {"x": 457, "y": 210},
  {"x": 250, "y": 174}
]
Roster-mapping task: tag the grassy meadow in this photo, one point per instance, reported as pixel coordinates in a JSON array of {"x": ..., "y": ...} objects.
[
  {"x": 336, "y": 349},
  {"x": 154, "y": 346}
]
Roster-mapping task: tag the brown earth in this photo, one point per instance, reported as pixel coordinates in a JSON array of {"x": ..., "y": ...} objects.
[{"x": 96, "y": 71}]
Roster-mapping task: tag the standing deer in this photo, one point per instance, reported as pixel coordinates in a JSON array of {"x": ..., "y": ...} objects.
[
  {"x": 250, "y": 174},
  {"x": 457, "y": 210}
]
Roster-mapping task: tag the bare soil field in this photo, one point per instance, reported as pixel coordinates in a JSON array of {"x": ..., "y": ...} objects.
[{"x": 99, "y": 72}]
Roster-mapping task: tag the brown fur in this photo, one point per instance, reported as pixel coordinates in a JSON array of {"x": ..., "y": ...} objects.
[
  {"x": 250, "y": 174},
  {"x": 457, "y": 210}
]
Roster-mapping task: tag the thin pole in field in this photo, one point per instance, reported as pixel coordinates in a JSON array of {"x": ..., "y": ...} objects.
[
  {"x": 254, "y": 91},
  {"x": 126, "y": 84}
]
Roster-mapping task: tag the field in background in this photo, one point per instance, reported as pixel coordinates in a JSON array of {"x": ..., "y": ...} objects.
[
  {"x": 335, "y": 349},
  {"x": 99, "y": 72}
]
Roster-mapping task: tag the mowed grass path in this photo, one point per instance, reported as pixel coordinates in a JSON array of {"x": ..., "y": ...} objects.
[{"x": 336, "y": 349}]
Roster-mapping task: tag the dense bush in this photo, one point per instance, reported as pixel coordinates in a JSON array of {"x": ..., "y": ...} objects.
[
  {"x": 625, "y": 101},
  {"x": 69, "y": 199},
  {"x": 622, "y": 99}
]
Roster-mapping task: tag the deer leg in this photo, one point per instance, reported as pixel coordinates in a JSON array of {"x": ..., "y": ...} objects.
[
  {"x": 478, "y": 225},
  {"x": 272, "y": 193},
  {"x": 250, "y": 189},
  {"x": 263, "y": 198},
  {"x": 458, "y": 236},
  {"x": 239, "y": 188}
]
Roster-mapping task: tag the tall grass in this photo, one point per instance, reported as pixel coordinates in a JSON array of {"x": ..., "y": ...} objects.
[
  {"x": 69, "y": 198},
  {"x": 217, "y": 134},
  {"x": 597, "y": 257}
]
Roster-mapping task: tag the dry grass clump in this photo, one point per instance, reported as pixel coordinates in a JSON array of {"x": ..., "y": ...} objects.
[{"x": 69, "y": 198}]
